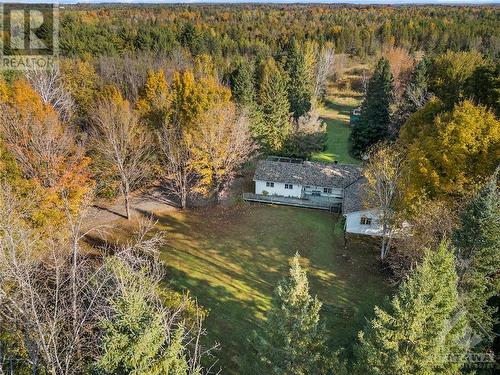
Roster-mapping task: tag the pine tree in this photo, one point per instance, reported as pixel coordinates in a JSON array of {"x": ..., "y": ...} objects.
[
  {"x": 478, "y": 253},
  {"x": 243, "y": 84},
  {"x": 421, "y": 333},
  {"x": 275, "y": 127},
  {"x": 300, "y": 83},
  {"x": 375, "y": 115},
  {"x": 293, "y": 338},
  {"x": 136, "y": 338}
]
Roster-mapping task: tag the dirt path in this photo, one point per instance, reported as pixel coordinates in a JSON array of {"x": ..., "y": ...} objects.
[{"x": 141, "y": 204}]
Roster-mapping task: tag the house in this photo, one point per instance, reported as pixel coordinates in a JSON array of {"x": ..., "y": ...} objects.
[
  {"x": 302, "y": 183},
  {"x": 358, "y": 219}
]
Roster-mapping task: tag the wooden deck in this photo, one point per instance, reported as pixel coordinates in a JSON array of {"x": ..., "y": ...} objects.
[{"x": 332, "y": 205}]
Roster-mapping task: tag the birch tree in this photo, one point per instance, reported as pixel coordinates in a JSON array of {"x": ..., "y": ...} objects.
[
  {"x": 50, "y": 86},
  {"x": 383, "y": 173},
  {"x": 121, "y": 144}
]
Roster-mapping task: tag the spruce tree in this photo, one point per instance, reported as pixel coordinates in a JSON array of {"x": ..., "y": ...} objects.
[
  {"x": 293, "y": 338},
  {"x": 300, "y": 83},
  {"x": 415, "y": 96},
  {"x": 243, "y": 84},
  {"x": 137, "y": 338},
  {"x": 478, "y": 252},
  {"x": 374, "y": 121},
  {"x": 422, "y": 331},
  {"x": 274, "y": 126}
]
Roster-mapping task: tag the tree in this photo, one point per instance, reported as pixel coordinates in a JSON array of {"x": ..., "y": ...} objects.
[
  {"x": 45, "y": 151},
  {"x": 478, "y": 251},
  {"x": 153, "y": 101},
  {"x": 430, "y": 223},
  {"x": 243, "y": 84},
  {"x": 401, "y": 64},
  {"x": 220, "y": 144},
  {"x": 140, "y": 335},
  {"x": 373, "y": 124},
  {"x": 272, "y": 98},
  {"x": 121, "y": 145},
  {"x": 483, "y": 87},
  {"x": 300, "y": 81},
  {"x": 50, "y": 86},
  {"x": 415, "y": 96},
  {"x": 449, "y": 73},
  {"x": 383, "y": 173},
  {"x": 50, "y": 294},
  {"x": 449, "y": 153},
  {"x": 422, "y": 331},
  {"x": 323, "y": 69},
  {"x": 292, "y": 341}
]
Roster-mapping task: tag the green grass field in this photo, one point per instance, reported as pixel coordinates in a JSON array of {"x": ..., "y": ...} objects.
[
  {"x": 231, "y": 258},
  {"x": 335, "y": 112}
]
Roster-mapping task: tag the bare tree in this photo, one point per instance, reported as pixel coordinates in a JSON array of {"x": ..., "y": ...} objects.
[
  {"x": 122, "y": 145},
  {"x": 49, "y": 294},
  {"x": 44, "y": 148},
  {"x": 176, "y": 161},
  {"x": 431, "y": 222},
  {"x": 324, "y": 68},
  {"x": 49, "y": 85},
  {"x": 383, "y": 172},
  {"x": 54, "y": 294},
  {"x": 220, "y": 145}
]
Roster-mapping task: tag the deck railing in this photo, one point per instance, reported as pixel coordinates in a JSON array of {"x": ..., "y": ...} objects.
[{"x": 333, "y": 205}]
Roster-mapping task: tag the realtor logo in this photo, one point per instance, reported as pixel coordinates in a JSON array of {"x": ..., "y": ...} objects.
[{"x": 29, "y": 36}]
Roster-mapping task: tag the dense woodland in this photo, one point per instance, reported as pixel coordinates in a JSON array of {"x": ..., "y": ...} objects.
[{"x": 183, "y": 97}]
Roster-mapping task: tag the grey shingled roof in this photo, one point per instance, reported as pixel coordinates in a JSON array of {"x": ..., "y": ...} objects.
[
  {"x": 307, "y": 173},
  {"x": 353, "y": 199}
]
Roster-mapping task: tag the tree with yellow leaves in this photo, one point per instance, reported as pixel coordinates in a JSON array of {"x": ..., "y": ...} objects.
[
  {"x": 43, "y": 151},
  {"x": 121, "y": 145},
  {"x": 450, "y": 153},
  {"x": 219, "y": 145},
  {"x": 154, "y": 100}
]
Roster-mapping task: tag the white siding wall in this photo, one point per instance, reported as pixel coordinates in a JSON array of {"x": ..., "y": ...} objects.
[
  {"x": 337, "y": 193},
  {"x": 278, "y": 189},
  {"x": 353, "y": 223}
]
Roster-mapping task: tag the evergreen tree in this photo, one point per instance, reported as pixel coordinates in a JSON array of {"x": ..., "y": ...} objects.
[
  {"x": 375, "y": 115},
  {"x": 421, "y": 333},
  {"x": 415, "y": 96},
  {"x": 274, "y": 126},
  {"x": 139, "y": 338},
  {"x": 292, "y": 341},
  {"x": 300, "y": 83},
  {"x": 243, "y": 85},
  {"x": 478, "y": 252},
  {"x": 483, "y": 87}
]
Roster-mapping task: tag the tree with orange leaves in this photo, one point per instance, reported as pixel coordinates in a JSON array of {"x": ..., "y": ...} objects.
[{"x": 44, "y": 150}]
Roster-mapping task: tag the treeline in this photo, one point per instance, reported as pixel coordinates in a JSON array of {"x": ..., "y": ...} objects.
[{"x": 263, "y": 30}]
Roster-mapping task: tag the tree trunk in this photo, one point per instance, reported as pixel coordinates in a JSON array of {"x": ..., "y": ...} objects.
[{"x": 126, "y": 193}]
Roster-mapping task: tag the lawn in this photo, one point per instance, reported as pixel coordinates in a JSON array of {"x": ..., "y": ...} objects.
[
  {"x": 335, "y": 112},
  {"x": 231, "y": 258}
]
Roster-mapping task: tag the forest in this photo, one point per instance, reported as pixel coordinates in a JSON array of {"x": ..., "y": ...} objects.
[{"x": 180, "y": 101}]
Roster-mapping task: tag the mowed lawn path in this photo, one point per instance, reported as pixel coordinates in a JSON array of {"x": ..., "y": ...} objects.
[
  {"x": 231, "y": 259},
  {"x": 336, "y": 112}
]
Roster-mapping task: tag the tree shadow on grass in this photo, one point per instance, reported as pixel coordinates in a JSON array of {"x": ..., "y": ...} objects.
[{"x": 342, "y": 109}]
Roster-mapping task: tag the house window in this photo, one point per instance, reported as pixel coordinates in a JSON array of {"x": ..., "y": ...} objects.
[
  {"x": 269, "y": 184},
  {"x": 288, "y": 186},
  {"x": 327, "y": 190},
  {"x": 366, "y": 220}
]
